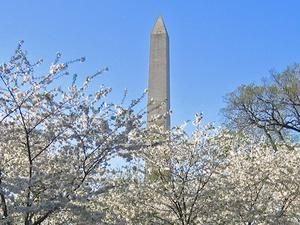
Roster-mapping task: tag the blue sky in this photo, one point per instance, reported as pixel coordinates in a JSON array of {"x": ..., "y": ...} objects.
[{"x": 215, "y": 45}]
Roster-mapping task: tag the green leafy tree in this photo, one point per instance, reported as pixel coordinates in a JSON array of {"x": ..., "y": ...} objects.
[{"x": 271, "y": 109}]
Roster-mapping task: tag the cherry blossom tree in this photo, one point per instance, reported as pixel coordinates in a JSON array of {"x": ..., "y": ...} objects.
[
  {"x": 210, "y": 177},
  {"x": 183, "y": 184},
  {"x": 56, "y": 142},
  {"x": 261, "y": 186}
]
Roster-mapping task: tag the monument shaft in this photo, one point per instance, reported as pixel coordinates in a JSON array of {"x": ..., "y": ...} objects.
[{"x": 159, "y": 77}]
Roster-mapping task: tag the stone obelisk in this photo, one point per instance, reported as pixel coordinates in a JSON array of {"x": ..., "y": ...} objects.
[{"x": 159, "y": 77}]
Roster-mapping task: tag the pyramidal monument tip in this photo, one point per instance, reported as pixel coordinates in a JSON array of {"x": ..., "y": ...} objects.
[{"x": 159, "y": 27}]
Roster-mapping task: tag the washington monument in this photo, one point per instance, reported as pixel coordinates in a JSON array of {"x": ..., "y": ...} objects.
[{"x": 159, "y": 77}]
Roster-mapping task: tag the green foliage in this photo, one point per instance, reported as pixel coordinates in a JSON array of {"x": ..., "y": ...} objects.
[{"x": 271, "y": 109}]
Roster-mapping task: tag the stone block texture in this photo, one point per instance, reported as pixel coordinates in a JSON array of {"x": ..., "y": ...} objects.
[{"x": 159, "y": 77}]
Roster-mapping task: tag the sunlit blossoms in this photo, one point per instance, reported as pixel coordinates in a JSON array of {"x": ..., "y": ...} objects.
[
  {"x": 209, "y": 177},
  {"x": 57, "y": 143}
]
